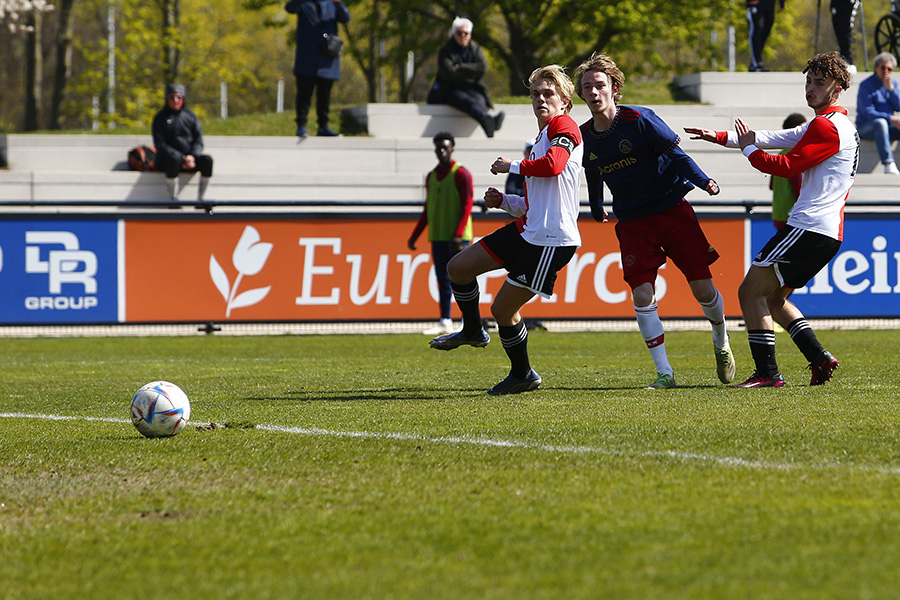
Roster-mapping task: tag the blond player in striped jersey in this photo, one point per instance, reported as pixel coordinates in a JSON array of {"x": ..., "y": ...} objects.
[{"x": 534, "y": 247}]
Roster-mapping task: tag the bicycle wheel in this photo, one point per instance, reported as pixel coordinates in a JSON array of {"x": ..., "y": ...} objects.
[{"x": 887, "y": 34}]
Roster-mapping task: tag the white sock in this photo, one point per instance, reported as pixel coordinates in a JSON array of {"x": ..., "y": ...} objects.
[
  {"x": 172, "y": 187},
  {"x": 654, "y": 336},
  {"x": 715, "y": 312},
  {"x": 448, "y": 323},
  {"x": 204, "y": 182}
]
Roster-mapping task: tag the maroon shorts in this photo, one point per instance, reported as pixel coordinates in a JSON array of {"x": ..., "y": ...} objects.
[{"x": 646, "y": 241}]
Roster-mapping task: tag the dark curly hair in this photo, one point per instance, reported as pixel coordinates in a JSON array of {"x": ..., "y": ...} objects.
[
  {"x": 830, "y": 64},
  {"x": 443, "y": 135}
]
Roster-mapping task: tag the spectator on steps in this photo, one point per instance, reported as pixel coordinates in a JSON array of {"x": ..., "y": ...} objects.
[
  {"x": 461, "y": 66},
  {"x": 877, "y": 102},
  {"x": 178, "y": 138}
]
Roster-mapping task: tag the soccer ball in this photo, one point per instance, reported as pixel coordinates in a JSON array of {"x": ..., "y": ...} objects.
[{"x": 160, "y": 409}]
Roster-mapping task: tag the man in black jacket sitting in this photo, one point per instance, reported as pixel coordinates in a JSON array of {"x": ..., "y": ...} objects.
[
  {"x": 178, "y": 138},
  {"x": 461, "y": 65}
]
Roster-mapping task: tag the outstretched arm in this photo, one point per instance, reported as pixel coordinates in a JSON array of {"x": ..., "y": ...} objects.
[
  {"x": 688, "y": 169},
  {"x": 697, "y": 133}
]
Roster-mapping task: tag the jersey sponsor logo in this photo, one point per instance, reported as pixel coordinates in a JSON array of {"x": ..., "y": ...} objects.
[
  {"x": 618, "y": 165},
  {"x": 625, "y": 146}
]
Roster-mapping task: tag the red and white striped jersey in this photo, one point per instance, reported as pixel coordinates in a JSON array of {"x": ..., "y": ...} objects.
[
  {"x": 826, "y": 151},
  {"x": 549, "y": 210}
]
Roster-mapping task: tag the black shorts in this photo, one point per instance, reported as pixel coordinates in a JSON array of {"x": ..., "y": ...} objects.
[
  {"x": 529, "y": 266},
  {"x": 797, "y": 255}
]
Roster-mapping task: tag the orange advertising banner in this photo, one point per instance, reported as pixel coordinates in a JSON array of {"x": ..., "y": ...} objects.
[{"x": 332, "y": 270}]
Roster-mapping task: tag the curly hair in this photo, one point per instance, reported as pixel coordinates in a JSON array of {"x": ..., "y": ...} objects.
[
  {"x": 443, "y": 135},
  {"x": 604, "y": 64},
  {"x": 557, "y": 75},
  {"x": 830, "y": 64}
]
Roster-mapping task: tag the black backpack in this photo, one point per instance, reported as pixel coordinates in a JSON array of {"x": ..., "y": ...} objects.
[{"x": 142, "y": 158}]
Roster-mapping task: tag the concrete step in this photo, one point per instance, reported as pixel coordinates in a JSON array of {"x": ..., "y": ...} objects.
[
  {"x": 756, "y": 89},
  {"x": 390, "y": 164},
  {"x": 403, "y": 121},
  {"x": 48, "y": 153}
]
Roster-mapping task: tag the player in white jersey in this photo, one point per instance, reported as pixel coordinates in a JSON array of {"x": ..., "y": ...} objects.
[
  {"x": 826, "y": 151},
  {"x": 534, "y": 247}
]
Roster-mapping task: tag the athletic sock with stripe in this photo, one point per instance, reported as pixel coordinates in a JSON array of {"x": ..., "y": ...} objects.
[
  {"x": 467, "y": 295},
  {"x": 515, "y": 341},
  {"x": 762, "y": 348}
]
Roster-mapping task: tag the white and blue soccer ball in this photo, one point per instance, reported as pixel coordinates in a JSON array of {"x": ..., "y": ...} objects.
[{"x": 160, "y": 409}]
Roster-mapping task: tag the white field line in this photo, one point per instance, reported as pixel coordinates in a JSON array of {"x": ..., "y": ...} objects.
[{"x": 728, "y": 461}]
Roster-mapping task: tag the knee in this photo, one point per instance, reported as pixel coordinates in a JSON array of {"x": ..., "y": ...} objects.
[
  {"x": 171, "y": 169},
  {"x": 747, "y": 292},
  {"x": 498, "y": 313},
  {"x": 775, "y": 301},
  {"x": 205, "y": 165},
  {"x": 744, "y": 292},
  {"x": 504, "y": 315},
  {"x": 643, "y": 295},
  {"x": 704, "y": 291},
  {"x": 457, "y": 271}
]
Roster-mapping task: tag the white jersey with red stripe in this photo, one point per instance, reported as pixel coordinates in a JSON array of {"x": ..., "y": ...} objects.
[
  {"x": 826, "y": 151},
  {"x": 549, "y": 211}
]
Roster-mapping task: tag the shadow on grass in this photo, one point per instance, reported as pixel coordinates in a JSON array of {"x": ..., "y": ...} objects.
[{"x": 384, "y": 395}]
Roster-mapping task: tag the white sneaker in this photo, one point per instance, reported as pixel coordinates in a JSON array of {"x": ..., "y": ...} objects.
[
  {"x": 891, "y": 168},
  {"x": 441, "y": 329}
]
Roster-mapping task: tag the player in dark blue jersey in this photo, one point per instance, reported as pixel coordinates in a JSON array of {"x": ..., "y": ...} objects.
[{"x": 637, "y": 156}]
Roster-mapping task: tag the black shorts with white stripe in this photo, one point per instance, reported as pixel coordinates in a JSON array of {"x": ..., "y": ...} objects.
[
  {"x": 529, "y": 266},
  {"x": 797, "y": 255}
]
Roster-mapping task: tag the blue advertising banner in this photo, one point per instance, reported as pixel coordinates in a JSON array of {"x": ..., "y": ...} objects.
[
  {"x": 863, "y": 280},
  {"x": 59, "y": 271}
]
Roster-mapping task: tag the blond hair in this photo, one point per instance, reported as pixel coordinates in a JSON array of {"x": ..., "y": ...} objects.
[
  {"x": 603, "y": 64},
  {"x": 557, "y": 76}
]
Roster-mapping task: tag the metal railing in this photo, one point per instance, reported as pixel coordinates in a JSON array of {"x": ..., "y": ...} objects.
[{"x": 209, "y": 206}]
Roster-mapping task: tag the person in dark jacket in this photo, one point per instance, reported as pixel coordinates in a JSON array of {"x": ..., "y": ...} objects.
[
  {"x": 843, "y": 19},
  {"x": 314, "y": 67},
  {"x": 461, "y": 65},
  {"x": 178, "y": 138},
  {"x": 760, "y": 18}
]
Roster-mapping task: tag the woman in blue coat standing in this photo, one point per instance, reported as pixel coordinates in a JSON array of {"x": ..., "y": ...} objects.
[{"x": 316, "y": 63}]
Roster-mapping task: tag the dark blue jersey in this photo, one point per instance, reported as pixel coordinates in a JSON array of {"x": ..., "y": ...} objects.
[{"x": 640, "y": 161}]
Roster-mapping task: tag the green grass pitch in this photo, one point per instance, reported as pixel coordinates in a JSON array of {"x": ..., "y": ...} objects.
[{"x": 373, "y": 467}]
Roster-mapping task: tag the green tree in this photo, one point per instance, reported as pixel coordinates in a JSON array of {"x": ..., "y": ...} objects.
[{"x": 214, "y": 43}]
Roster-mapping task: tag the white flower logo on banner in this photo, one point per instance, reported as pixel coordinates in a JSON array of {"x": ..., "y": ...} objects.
[{"x": 249, "y": 258}]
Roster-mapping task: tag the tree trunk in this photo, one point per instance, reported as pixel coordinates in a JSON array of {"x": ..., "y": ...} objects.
[
  {"x": 34, "y": 70},
  {"x": 171, "y": 54},
  {"x": 63, "y": 67}
]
